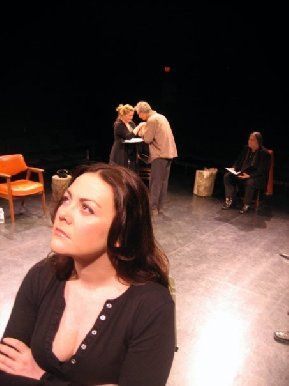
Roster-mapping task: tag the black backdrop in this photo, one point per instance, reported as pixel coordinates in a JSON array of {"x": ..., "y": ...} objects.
[{"x": 66, "y": 65}]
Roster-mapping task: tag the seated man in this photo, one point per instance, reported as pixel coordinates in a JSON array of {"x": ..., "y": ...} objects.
[{"x": 251, "y": 170}]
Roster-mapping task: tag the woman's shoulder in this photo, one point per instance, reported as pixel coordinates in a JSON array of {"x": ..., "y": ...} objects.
[
  {"x": 38, "y": 279},
  {"x": 151, "y": 294},
  {"x": 42, "y": 267},
  {"x": 41, "y": 273},
  {"x": 118, "y": 123},
  {"x": 148, "y": 303}
]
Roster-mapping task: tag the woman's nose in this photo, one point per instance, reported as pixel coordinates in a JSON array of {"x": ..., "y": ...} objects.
[{"x": 65, "y": 213}]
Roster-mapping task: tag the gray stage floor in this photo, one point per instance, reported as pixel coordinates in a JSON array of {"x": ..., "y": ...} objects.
[{"x": 232, "y": 285}]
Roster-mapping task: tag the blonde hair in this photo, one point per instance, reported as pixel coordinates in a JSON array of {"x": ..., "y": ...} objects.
[{"x": 124, "y": 109}]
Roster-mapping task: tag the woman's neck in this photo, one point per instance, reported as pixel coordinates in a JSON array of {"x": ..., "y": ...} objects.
[
  {"x": 97, "y": 273},
  {"x": 124, "y": 121}
]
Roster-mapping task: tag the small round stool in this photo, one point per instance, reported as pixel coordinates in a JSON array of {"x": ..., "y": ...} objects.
[{"x": 58, "y": 187}]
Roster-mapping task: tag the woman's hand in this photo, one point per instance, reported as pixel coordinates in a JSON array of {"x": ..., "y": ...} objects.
[
  {"x": 16, "y": 358},
  {"x": 135, "y": 130},
  {"x": 139, "y": 129}
]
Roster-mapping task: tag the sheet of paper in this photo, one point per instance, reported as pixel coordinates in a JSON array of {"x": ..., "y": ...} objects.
[
  {"x": 232, "y": 170},
  {"x": 133, "y": 140}
]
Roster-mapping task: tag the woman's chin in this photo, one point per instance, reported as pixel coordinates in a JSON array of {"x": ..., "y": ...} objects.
[{"x": 58, "y": 247}]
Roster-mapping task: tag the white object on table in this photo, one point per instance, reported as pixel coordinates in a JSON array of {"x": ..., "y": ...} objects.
[{"x": 133, "y": 140}]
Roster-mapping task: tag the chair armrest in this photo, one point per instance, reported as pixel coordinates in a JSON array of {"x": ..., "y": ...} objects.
[
  {"x": 36, "y": 170},
  {"x": 4, "y": 175}
]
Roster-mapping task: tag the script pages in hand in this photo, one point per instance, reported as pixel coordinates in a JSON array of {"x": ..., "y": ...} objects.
[{"x": 233, "y": 171}]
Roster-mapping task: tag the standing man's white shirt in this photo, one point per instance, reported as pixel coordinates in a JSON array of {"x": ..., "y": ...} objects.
[{"x": 158, "y": 135}]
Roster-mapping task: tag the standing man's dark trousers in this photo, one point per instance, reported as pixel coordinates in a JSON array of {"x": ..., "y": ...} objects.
[
  {"x": 231, "y": 183},
  {"x": 159, "y": 179}
]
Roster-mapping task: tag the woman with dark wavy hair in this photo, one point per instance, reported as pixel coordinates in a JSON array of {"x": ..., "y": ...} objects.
[{"x": 98, "y": 311}]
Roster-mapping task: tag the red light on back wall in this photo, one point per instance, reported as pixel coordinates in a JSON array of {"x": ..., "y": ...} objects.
[{"x": 167, "y": 69}]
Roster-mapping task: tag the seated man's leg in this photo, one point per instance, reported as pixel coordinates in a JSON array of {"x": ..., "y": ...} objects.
[
  {"x": 250, "y": 187},
  {"x": 230, "y": 183}
]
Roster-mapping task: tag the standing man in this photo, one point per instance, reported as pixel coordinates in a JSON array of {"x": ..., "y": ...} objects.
[{"x": 157, "y": 133}]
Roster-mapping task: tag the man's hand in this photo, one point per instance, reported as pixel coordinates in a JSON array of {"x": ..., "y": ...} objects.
[
  {"x": 16, "y": 358},
  {"x": 244, "y": 176}
]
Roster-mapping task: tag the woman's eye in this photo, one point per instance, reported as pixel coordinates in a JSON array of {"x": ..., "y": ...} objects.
[
  {"x": 87, "y": 209},
  {"x": 64, "y": 199}
]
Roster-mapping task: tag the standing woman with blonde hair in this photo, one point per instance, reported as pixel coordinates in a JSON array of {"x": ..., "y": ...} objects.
[{"x": 123, "y": 129}]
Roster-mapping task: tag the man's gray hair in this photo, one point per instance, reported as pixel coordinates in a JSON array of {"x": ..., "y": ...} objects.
[{"x": 143, "y": 107}]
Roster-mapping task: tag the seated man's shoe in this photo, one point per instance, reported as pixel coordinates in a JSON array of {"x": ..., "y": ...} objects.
[
  {"x": 282, "y": 336},
  {"x": 245, "y": 209},
  {"x": 228, "y": 203}
]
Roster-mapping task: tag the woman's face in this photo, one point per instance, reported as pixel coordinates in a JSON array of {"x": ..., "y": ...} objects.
[
  {"x": 253, "y": 143},
  {"x": 128, "y": 117},
  {"x": 83, "y": 220}
]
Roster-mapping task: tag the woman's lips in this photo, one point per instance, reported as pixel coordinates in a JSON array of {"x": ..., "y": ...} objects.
[{"x": 61, "y": 233}]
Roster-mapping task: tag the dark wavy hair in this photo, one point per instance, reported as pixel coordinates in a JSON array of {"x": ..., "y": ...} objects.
[{"x": 131, "y": 246}]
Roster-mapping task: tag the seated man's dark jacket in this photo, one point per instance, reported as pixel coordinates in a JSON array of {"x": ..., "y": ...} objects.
[{"x": 255, "y": 164}]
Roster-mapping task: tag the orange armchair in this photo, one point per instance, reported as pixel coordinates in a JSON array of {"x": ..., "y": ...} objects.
[{"x": 10, "y": 166}]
